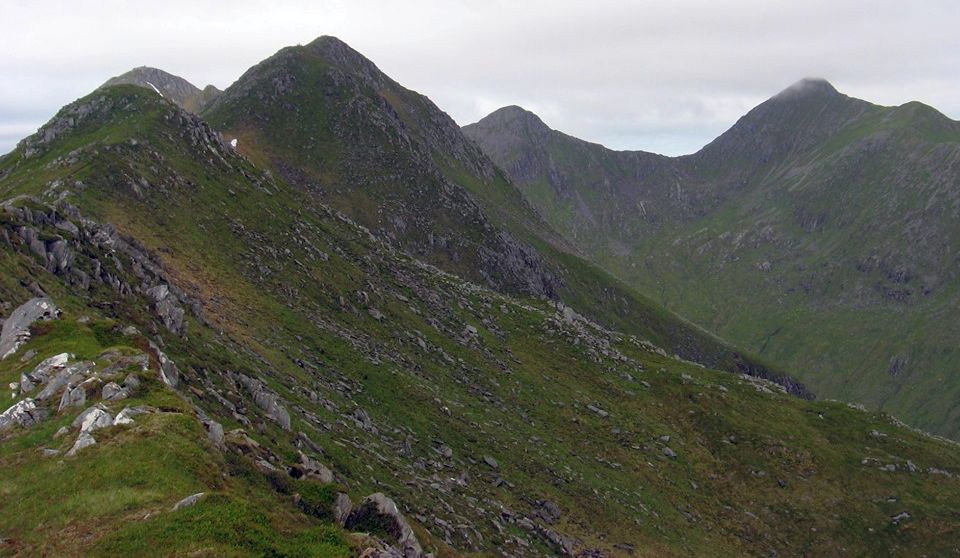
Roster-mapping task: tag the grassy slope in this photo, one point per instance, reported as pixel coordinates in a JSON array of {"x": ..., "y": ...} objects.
[
  {"x": 114, "y": 498},
  {"x": 518, "y": 392}
]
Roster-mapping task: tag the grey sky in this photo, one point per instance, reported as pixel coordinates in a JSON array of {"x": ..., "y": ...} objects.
[{"x": 663, "y": 76}]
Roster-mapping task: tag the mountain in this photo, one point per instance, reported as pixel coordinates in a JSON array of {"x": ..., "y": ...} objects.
[
  {"x": 175, "y": 88},
  {"x": 205, "y": 359},
  {"x": 817, "y": 233},
  {"x": 327, "y": 120}
]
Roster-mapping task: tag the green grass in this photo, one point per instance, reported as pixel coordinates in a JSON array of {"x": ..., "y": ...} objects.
[{"x": 222, "y": 526}]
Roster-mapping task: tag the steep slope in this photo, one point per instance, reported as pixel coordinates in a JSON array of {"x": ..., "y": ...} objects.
[
  {"x": 326, "y": 119},
  {"x": 500, "y": 425},
  {"x": 149, "y": 453},
  {"x": 320, "y": 115},
  {"x": 175, "y": 88},
  {"x": 816, "y": 232}
]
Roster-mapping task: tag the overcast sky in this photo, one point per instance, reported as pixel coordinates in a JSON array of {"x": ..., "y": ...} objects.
[{"x": 665, "y": 76}]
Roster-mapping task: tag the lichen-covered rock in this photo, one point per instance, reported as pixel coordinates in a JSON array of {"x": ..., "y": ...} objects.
[
  {"x": 168, "y": 309},
  {"x": 16, "y": 328},
  {"x": 311, "y": 468},
  {"x": 214, "y": 432},
  {"x": 548, "y": 511},
  {"x": 69, "y": 375}
]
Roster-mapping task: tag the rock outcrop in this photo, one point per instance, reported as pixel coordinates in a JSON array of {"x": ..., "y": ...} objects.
[
  {"x": 378, "y": 512},
  {"x": 16, "y": 328},
  {"x": 23, "y": 413}
]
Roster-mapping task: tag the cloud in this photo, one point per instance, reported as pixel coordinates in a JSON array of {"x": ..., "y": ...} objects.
[{"x": 655, "y": 75}]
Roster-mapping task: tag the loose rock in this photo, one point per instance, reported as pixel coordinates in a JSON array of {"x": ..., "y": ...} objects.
[
  {"x": 85, "y": 440},
  {"x": 188, "y": 501}
]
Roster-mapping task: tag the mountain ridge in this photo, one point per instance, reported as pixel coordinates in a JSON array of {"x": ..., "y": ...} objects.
[
  {"x": 771, "y": 205},
  {"x": 246, "y": 370}
]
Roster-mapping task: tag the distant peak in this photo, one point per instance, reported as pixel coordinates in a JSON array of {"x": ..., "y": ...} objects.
[
  {"x": 150, "y": 72},
  {"x": 141, "y": 74},
  {"x": 335, "y": 50},
  {"x": 513, "y": 115},
  {"x": 327, "y": 41},
  {"x": 809, "y": 87},
  {"x": 168, "y": 86},
  {"x": 513, "y": 110}
]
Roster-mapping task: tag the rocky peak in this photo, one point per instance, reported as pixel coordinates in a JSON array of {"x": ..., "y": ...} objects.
[
  {"x": 339, "y": 53},
  {"x": 167, "y": 85},
  {"x": 509, "y": 120},
  {"x": 164, "y": 83},
  {"x": 513, "y": 115}
]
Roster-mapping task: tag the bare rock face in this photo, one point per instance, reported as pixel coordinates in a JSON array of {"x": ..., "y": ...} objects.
[
  {"x": 16, "y": 328},
  {"x": 75, "y": 397},
  {"x": 113, "y": 392},
  {"x": 67, "y": 376},
  {"x": 166, "y": 306},
  {"x": 379, "y": 511},
  {"x": 91, "y": 252}
]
